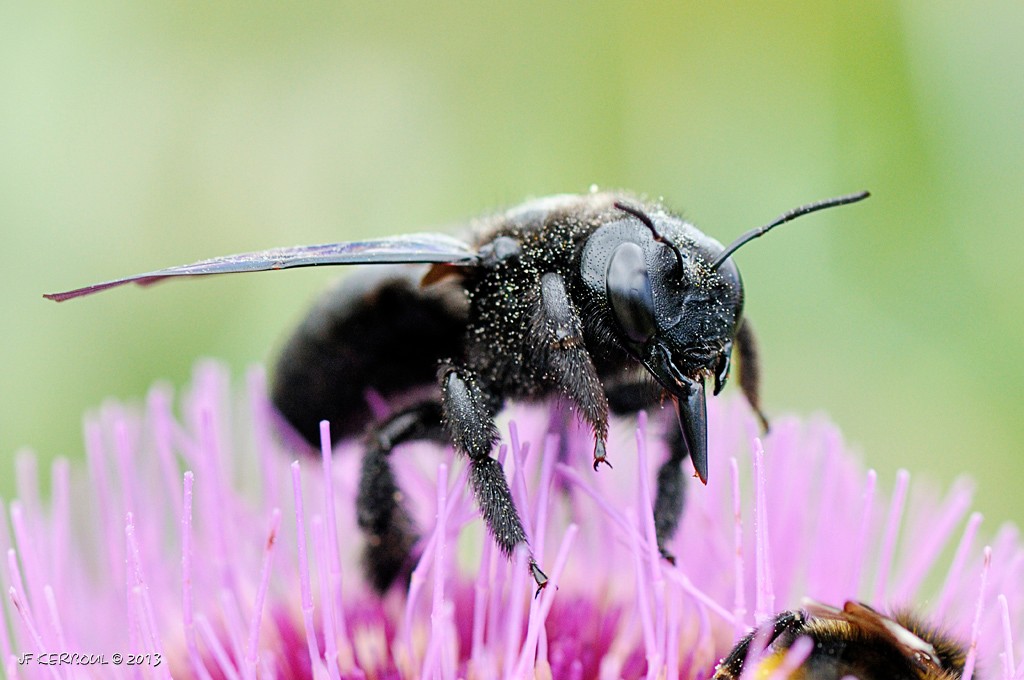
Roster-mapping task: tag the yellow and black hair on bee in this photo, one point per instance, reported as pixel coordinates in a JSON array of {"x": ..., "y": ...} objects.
[{"x": 853, "y": 642}]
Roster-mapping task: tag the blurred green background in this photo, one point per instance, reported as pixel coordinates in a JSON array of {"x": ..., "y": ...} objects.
[{"x": 140, "y": 135}]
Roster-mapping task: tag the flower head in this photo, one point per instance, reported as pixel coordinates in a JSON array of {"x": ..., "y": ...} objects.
[{"x": 196, "y": 540}]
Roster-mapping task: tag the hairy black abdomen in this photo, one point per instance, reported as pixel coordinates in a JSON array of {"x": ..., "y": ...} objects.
[{"x": 378, "y": 330}]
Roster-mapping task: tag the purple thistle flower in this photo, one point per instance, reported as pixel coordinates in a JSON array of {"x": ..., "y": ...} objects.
[{"x": 193, "y": 539}]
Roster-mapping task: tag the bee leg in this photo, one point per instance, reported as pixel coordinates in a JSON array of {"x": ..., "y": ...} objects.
[
  {"x": 628, "y": 395},
  {"x": 750, "y": 369},
  {"x": 731, "y": 667},
  {"x": 571, "y": 367},
  {"x": 389, "y": 529},
  {"x": 469, "y": 421},
  {"x": 671, "y": 494}
]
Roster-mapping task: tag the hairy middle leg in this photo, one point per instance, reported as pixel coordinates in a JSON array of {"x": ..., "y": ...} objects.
[{"x": 469, "y": 421}]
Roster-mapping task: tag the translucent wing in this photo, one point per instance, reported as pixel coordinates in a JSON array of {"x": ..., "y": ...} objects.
[{"x": 411, "y": 248}]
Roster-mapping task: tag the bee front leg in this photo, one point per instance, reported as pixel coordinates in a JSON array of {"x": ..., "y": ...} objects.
[
  {"x": 469, "y": 421},
  {"x": 636, "y": 392},
  {"x": 562, "y": 349},
  {"x": 671, "y": 496},
  {"x": 731, "y": 667}
]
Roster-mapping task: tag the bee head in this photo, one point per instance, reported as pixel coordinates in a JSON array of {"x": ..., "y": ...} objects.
[
  {"x": 669, "y": 308},
  {"x": 675, "y": 299}
]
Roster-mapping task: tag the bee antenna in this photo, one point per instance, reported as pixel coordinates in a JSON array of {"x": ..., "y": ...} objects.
[
  {"x": 791, "y": 215},
  {"x": 649, "y": 223}
]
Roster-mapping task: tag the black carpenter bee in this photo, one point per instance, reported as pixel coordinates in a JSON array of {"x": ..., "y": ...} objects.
[
  {"x": 853, "y": 642},
  {"x": 607, "y": 301}
]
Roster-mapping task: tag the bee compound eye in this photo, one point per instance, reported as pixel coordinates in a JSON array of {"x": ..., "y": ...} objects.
[{"x": 629, "y": 292}]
